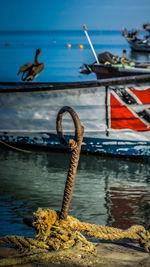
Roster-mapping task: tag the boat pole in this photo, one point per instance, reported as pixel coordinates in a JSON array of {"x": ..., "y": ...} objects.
[{"x": 86, "y": 33}]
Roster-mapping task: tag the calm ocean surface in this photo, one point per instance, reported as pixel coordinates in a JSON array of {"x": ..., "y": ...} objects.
[
  {"x": 113, "y": 192},
  {"x": 61, "y": 63},
  {"x": 107, "y": 191}
]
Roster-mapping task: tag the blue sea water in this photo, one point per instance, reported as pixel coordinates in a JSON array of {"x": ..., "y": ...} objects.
[{"x": 61, "y": 63}]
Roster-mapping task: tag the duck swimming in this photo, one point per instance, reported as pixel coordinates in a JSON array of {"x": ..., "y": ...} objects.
[{"x": 31, "y": 70}]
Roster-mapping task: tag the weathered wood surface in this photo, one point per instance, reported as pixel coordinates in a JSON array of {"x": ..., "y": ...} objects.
[{"x": 109, "y": 254}]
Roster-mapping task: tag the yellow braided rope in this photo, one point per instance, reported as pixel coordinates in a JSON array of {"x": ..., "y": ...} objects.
[
  {"x": 54, "y": 234},
  {"x": 22, "y": 242},
  {"x": 47, "y": 224}
]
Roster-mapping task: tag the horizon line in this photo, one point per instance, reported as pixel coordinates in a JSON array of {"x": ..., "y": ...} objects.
[{"x": 49, "y": 30}]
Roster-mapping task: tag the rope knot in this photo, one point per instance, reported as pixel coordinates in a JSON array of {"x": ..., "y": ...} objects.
[{"x": 72, "y": 144}]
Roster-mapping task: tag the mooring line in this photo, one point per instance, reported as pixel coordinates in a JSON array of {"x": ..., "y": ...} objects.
[{"x": 15, "y": 148}]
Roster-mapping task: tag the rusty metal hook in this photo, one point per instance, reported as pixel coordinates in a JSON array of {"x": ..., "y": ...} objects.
[{"x": 75, "y": 146}]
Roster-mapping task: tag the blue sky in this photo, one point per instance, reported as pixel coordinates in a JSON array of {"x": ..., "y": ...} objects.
[{"x": 72, "y": 14}]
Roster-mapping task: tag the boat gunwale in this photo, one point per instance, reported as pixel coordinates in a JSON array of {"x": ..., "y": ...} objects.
[
  {"x": 11, "y": 87},
  {"x": 127, "y": 69}
]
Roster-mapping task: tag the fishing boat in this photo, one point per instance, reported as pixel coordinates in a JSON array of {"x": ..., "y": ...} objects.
[
  {"x": 115, "y": 114},
  {"x": 136, "y": 44},
  {"x": 108, "y": 65},
  {"x": 103, "y": 71}
]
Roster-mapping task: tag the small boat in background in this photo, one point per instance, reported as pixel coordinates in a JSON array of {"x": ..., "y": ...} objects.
[
  {"x": 137, "y": 44},
  {"x": 108, "y": 65},
  {"x": 111, "y": 66},
  {"x": 108, "y": 71}
]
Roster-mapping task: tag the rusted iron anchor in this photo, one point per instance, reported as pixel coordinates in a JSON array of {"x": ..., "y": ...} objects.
[{"x": 75, "y": 147}]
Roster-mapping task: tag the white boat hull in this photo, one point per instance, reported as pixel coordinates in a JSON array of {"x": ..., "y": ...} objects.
[{"x": 112, "y": 124}]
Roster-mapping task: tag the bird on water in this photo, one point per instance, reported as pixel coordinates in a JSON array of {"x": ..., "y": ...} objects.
[{"x": 31, "y": 70}]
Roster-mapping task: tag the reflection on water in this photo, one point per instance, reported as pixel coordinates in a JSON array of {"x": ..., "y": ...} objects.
[
  {"x": 141, "y": 57},
  {"x": 130, "y": 203},
  {"x": 107, "y": 191}
]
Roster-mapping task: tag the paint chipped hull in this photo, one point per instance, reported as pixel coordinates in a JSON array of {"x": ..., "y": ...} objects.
[{"x": 115, "y": 114}]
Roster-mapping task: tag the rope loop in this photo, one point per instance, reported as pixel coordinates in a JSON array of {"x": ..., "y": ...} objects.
[{"x": 79, "y": 129}]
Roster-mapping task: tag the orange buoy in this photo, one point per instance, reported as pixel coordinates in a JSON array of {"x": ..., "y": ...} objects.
[
  {"x": 68, "y": 45},
  {"x": 80, "y": 46}
]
